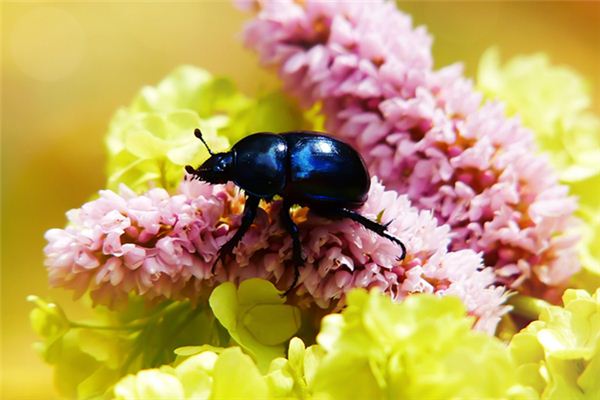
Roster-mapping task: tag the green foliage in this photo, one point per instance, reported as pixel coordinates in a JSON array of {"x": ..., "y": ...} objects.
[
  {"x": 559, "y": 355},
  {"x": 423, "y": 348},
  {"x": 150, "y": 141},
  {"x": 89, "y": 357}
]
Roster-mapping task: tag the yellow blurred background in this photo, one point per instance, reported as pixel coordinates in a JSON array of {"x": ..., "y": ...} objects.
[{"x": 66, "y": 67}]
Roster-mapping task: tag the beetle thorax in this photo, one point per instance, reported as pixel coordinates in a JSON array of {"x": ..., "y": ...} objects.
[{"x": 217, "y": 169}]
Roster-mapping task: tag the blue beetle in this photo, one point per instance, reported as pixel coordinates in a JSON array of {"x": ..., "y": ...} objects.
[{"x": 305, "y": 168}]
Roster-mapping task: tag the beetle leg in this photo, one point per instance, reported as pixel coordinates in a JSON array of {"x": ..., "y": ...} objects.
[
  {"x": 292, "y": 228},
  {"x": 380, "y": 229},
  {"x": 247, "y": 219}
]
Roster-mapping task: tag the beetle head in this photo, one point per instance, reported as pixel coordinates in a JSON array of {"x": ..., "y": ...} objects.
[{"x": 217, "y": 169}]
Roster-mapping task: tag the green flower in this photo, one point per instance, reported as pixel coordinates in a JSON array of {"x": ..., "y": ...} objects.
[
  {"x": 150, "y": 384},
  {"x": 293, "y": 377},
  {"x": 589, "y": 277},
  {"x": 552, "y": 101},
  {"x": 90, "y": 356},
  {"x": 256, "y": 318},
  {"x": 217, "y": 373},
  {"x": 559, "y": 355},
  {"x": 151, "y": 141},
  {"x": 228, "y": 375},
  {"x": 422, "y": 348},
  {"x": 86, "y": 361}
]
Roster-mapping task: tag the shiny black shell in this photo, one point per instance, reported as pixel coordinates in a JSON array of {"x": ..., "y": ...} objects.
[{"x": 306, "y": 168}]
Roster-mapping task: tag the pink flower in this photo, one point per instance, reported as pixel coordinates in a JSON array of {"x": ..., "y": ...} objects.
[
  {"x": 424, "y": 132},
  {"x": 162, "y": 246}
]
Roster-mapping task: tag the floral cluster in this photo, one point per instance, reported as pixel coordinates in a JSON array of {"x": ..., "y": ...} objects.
[
  {"x": 481, "y": 214},
  {"x": 554, "y": 102},
  {"x": 164, "y": 247},
  {"x": 559, "y": 355},
  {"x": 425, "y": 133},
  {"x": 149, "y": 142},
  {"x": 375, "y": 349},
  {"x": 90, "y": 356}
]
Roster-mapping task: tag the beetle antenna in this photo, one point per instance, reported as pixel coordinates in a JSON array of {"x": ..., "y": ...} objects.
[{"x": 198, "y": 134}]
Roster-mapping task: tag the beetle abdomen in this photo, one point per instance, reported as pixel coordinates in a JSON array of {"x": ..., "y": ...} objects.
[{"x": 324, "y": 170}]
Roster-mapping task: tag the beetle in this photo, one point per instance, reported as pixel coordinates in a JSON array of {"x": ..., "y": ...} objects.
[{"x": 304, "y": 168}]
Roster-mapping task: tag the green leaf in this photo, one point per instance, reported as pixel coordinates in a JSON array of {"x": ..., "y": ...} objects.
[
  {"x": 272, "y": 324},
  {"x": 72, "y": 366},
  {"x": 90, "y": 356},
  {"x": 105, "y": 348},
  {"x": 96, "y": 384},
  {"x": 224, "y": 304},
  {"x": 187, "y": 351}
]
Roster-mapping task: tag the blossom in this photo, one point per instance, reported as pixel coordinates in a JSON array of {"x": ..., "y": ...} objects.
[
  {"x": 559, "y": 354},
  {"x": 228, "y": 375},
  {"x": 425, "y": 133},
  {"x": 294, "y": 376},
  {"x": 91, "y": 354},
  {"x": 255, "y": 317},
  {"x": 149, "y": 141},
  {"x": 423, "y": 347},
  {"x": 163, "y": 247},
  {"x": 554, "y": 102}
]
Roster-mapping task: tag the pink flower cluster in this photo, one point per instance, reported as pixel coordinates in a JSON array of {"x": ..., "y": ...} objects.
[
  {"x": 425, "y": 133},
  {"x": 162, "y": 246}
]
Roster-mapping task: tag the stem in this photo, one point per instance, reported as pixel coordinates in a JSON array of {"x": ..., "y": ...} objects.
[
  {"x": 135, "y": 351},
  {"x": 163, "y": 174},
  {"x": 132, "y": 327},
  {"x": 176, "y": 331},
  {"x": 527, "y": 306},
  {"x": 140, "y": 324},
  {"x": 147, "y": 330}
]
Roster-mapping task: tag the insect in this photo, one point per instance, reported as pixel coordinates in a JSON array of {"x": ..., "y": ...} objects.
[{"x": 302, "y": 167}]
